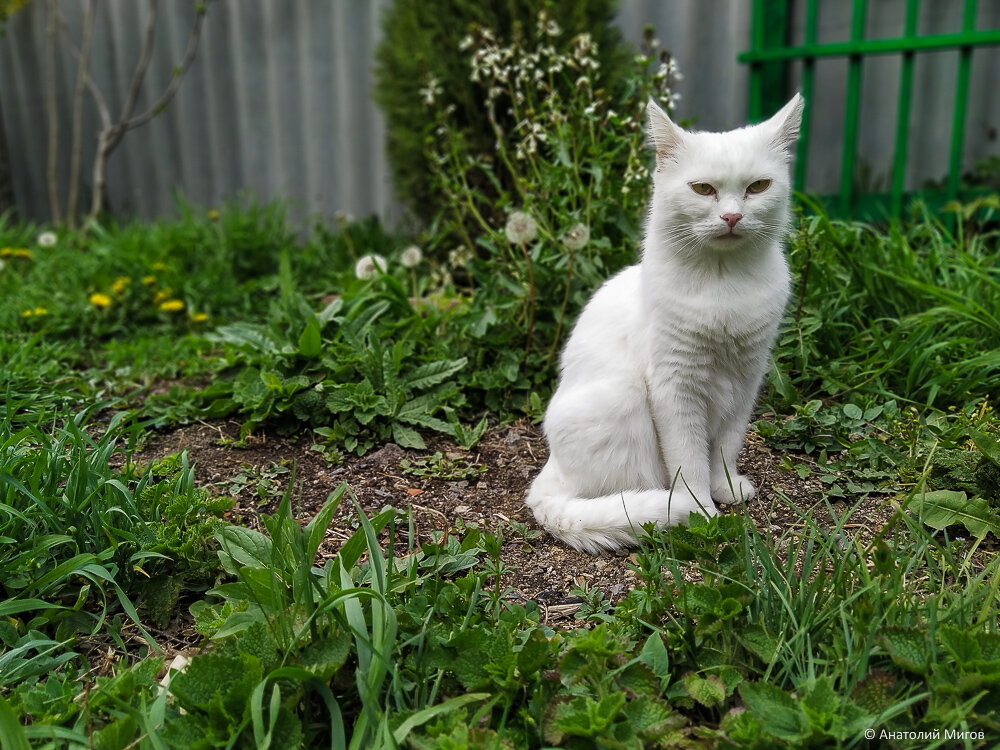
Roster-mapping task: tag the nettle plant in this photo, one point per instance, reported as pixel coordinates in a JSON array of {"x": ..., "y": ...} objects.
[{"x": 557, "y": 205}]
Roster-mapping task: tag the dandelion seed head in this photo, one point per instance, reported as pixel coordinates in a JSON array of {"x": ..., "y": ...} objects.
[
  {"x": 521, "y": 228},
  {"x": 47, "y": 239},
  {"x": 368, "y": 266},
  {"x": 577, "y": 237},
  {"x": 411, "y": 257}
]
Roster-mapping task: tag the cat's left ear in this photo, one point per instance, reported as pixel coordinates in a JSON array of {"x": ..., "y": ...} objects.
[
  {"x": 784, "y": 125},
  {"x": 664, "y": 135}
]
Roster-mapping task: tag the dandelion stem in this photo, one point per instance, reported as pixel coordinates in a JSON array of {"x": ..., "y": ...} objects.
[
  {"x": 562, "y": 309},
  {"x": 530, "y": 304}
]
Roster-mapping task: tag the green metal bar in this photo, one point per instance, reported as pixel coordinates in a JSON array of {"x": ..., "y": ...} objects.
[
  {"x": 852, "y": 113},
  {"x": 961, "y": 102},
  {"x": 903, "y": 111},
  {"x": 756, "y": 96},
  {"x": 808, "y": 71},
  {"x": 769, "y": 80},
  {"x": 875, "y": 46}
]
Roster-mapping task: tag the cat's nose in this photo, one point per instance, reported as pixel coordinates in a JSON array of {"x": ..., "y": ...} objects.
[{"x": 731, "y": 219}]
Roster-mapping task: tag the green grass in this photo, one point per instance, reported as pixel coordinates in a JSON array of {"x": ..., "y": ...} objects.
[{"x": 884, "y": 375}]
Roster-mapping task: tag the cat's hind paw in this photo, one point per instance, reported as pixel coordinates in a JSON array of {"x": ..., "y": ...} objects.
[{"x": 732, "y": 488}]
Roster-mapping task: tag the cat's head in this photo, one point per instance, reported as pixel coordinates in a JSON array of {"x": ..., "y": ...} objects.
[{"x": 723, "y": 191}]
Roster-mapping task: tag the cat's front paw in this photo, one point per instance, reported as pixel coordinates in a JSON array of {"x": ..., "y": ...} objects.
[{"x": 734, "y": 488}]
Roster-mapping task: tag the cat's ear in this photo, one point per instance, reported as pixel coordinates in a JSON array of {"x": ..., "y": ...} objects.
[
  {"x": 664, "y": 135},
  {"x": 784, "y": 125}
]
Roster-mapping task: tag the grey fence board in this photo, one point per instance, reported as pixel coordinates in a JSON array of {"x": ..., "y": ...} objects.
[{"x": 278, "y": 101}]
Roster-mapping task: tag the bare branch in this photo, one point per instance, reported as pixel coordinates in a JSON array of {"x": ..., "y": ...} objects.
[
  {"x": 102, "y": 105},
  {"x": 81, "y": 77},
  {"x": 143, "y": 65},
  {"x": 189, "y": 53},
  {"x": 52, "y": 112},
  {"x": 111, "y": 135}
]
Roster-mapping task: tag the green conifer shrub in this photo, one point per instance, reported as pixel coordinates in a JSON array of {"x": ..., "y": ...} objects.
[{"x": 419, "y": 57}]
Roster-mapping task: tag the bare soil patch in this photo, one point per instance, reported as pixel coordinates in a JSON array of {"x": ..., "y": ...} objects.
[{"x": 540, "y": 568}]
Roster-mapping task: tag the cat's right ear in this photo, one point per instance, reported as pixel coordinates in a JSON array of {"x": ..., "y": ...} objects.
[{"x": 664, "y": 135}]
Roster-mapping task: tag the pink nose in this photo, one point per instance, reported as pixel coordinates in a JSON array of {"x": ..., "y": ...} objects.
[{"x": 731, "y": 219}]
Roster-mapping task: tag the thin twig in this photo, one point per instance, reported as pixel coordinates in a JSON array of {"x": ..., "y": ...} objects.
[
  {"x": 103, "y": 111},
  {"x": 110, "y": 136},
  {"x": 52, "y": 111},
  {"x": 81, "y": 79},
  {"x": 139, "y": 74}
]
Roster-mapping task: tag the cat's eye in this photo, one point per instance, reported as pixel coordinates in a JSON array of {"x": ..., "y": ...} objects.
[
  {"x": 702, "y": 188},
  {"x": 758, "y": 186}
]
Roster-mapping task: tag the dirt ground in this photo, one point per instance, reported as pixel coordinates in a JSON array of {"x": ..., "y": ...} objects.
[{"x": 540, "y": 568}]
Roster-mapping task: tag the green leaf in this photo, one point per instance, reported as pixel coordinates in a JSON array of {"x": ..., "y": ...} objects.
[
  {"x": 426, "y": 714},
  {"x": 315, "y": 530},
  {"x": 654, "y": 655},
  {"x": 908, "y": 648},
  {"x": 407, "y": 437},
  {"x": 650, "y": 715},
  {"x": 777, "y": 712},
  {"x": 308, "y": 407},
  {"x": 11, "y": 732},
  {"x": 638, "y": 680},
  {"x": 758, "y": 641},
  {"x": 943, "y": 508},
  {"x": 432, "y": 373},
  {"x": 325, "y": 656},
  {"x": 987, "y": 445},
  {"x": 534, "y": 654},
  {"x": 310, "y": 340},
  {"x": 708, "y": 691},
  {"x": 960, "y": 644},
  {"x": 853, "y": 411},
  {"x": 243, "y": 546}
]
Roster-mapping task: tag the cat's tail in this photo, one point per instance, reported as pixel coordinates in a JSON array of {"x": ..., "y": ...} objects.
[{"x": 597, "y": 524}]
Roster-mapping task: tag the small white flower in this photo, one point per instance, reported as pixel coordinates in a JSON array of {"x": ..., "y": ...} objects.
[
  {"x": 369, "y": 265},
  {"x": 47, "y": 239},
  {"x": 343, "y": 217},
  {"x": 577, "y": 237},
  {"x": 521, "y": 228},
  {"x": 467, "y": 41},
  {"x": 411, "y": 257},
  {"x": 431, "y": 91}
]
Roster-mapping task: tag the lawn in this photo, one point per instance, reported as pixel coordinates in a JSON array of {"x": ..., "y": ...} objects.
[{"x": 257, "y": 492}]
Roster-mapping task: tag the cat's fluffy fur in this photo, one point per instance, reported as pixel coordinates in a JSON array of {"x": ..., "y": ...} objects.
[{"x": 660, "y": 374}]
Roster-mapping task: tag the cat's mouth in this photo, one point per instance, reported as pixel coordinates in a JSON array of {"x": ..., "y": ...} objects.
[{"x": 729, "y": 236}]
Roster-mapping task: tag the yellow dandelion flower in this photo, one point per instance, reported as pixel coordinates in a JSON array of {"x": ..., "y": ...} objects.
[
  {"x": 213, "y": 215},
  {"x": 119, "y": 284},
  {"x": 23, "y": 252},
  {"x": 100, "y": 300},
  {"x": 148, "y": 280},
  {"x": 199, "y": 317},
  {"x": 27, "y": 313},
  {"x": 172, "y": 305},
  {"x": 6, "y": 252},
  {"x": 41, "y": 311},
  {"x": 162, "y": 295},
  {"x": 159, "y": 267}
]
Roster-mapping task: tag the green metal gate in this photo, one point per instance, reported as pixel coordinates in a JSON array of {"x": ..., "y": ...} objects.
[{"x": 770, "y": 57}]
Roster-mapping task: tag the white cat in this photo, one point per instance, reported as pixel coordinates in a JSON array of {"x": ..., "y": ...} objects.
[{"x": 660, "y": 374}]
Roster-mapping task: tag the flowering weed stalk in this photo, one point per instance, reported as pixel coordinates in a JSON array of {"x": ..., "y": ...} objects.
[{"x": 568, "y": 157}]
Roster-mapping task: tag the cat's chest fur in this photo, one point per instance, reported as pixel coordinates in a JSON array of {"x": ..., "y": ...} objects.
[{"x": 719, "y": 315}]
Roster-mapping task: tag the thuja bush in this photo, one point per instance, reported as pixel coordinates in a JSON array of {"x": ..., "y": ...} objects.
[{"x": 420, "y": 58}]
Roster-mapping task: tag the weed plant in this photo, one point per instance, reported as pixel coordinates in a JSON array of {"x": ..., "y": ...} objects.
[{"x": 908, "y": 314}]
